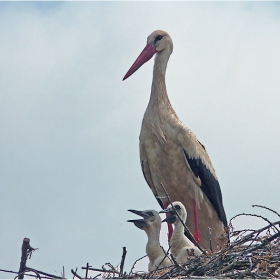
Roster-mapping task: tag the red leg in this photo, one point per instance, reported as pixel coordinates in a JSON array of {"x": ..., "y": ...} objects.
[
  {"x": 196, "y": 231},
  {"x": 169, "y": 226}
]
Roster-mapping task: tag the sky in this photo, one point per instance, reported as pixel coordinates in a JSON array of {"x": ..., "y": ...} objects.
[{"x": 69, "y": 158}]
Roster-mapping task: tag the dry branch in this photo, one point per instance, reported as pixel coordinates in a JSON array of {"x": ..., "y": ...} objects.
[
  {"x": 27, "y": 274},
  {"x": 76, "y": 274},
  {"x": 26, "y": 251},
  {"x": 122, "y": 261},
  {"x": 40, "y": 273}
]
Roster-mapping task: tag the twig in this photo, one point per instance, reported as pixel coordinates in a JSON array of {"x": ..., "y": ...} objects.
[
  {"x": 122, "y": 261},
  {"x": 210, "y": 239},
  {"x": 26, "y": 250},
  {"x": 44, "y": 273},
  {"x": 136, "y": 262},
  {"x": 87, "y": 267},
  {"x": 176, "y": 263},
  {"x": 165, "y": 256},
  {"x": 76, "y": 274},
  {"x": 102, "y": 270},
  {"x": 258, "y": 216},
  {"x": 15, "y": 272},
  {"x": 265, "y": 242},
  {"x": 34, "y": 271},
  {"x": 255, "y": 205},
  {"x": 114, "y": 270},
  {"x": 247, "y": 237}
]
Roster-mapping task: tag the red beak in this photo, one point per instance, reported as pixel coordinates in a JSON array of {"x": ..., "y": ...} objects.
[{"x": 144, "y": 56}]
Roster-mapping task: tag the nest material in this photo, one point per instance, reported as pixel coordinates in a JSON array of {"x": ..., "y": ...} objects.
[{"x": 251, "y": 254}]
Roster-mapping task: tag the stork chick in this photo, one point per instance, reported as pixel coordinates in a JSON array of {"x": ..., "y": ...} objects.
[
  {"x": 151, "y": 224},
  {"x": 181, "y": 247}
]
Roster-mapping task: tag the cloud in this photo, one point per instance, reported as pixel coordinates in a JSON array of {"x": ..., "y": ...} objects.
[{"x": 70, "y": 126}]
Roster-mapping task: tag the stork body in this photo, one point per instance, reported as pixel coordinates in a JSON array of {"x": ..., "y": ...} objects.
[
  {"x": 181, "y": 247},
  {"x": 171, "y": 154},
  {"x": 151, "y": 224}
]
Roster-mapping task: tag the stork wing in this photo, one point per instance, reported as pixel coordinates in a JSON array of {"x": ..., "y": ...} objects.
[
  {"x": 147, "y": 175},
  {"x": 201, "y": 166}
]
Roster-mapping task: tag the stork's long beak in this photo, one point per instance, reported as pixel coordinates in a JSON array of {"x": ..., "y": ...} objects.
[
  {"x": 167, "y": 210},
  {"x": 139, "y": 213},
  {"x": 140, "y": 223},
  {"x": 170, "y": 219},
  {"x": 144, "y": 56},
  {"x": 171, "y": 215}
]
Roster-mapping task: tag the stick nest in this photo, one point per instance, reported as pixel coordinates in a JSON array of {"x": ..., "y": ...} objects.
[{"x": 250, "y": 254}]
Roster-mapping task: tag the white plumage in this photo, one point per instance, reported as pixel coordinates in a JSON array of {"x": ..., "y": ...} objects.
[
  {"x": 151, "y": 224},
  {"x": 181, "y": 247},
  {"x": 171, "y": 154}
]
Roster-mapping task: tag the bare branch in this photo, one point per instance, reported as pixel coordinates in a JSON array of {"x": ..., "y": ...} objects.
[
  {"x": 26, "y": 250},
  {"x": 76, "y": 274},
  {"x": 136, "y": 262},
  {"x": 44, "y": 273},
  {"x": 122, "y": 261},
  {"x": 255, "y": 205}
]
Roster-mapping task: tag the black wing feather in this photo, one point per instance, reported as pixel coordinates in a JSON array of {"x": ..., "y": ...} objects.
[{"x": 209, "y": 185}]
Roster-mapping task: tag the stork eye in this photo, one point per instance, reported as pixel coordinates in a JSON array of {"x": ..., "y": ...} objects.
[
  {"x": 177, "y": 207},
  {"x": 159, "y": 37}
]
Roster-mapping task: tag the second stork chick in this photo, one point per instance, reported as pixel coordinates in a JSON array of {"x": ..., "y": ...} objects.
[
  {"x": 151, "y": 224},
  {"x": 181, "y": 247}
]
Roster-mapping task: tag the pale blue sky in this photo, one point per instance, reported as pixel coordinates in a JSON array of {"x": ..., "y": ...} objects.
[{"x": 69, "y": 162}]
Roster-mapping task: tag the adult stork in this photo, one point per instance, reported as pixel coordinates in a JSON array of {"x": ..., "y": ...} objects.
[{"x": 171, "y": 155}]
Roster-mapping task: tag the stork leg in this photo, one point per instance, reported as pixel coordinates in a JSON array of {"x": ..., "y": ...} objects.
[
  {"x": 196, "y": 231},
  {"x": 169, "y": 226}
]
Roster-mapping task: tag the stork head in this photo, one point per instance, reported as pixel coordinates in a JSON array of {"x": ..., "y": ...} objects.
[
  {"x": 151, "y": 219},
  {"x": 172, "y": 218},
  {"x": 158, "y": 41}
]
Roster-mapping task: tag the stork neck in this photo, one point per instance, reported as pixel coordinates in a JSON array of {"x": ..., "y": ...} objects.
[
  {"x": 178, "y": 228},
  {"x": 153, "y": 235},
  {"x": 178, "y": 238},
  {"x": 153, "y": 248},
  {"x": 159, "y": 93}
]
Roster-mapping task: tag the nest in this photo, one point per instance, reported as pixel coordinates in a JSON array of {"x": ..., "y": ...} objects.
[{"x": 250, "y": 254}]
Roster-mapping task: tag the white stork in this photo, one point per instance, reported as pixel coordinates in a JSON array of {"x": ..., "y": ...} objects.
[
  {"x": 171, "y": 154},
  {"x": 151, "y": 224},
  {"x": 181, "y": 247}
]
